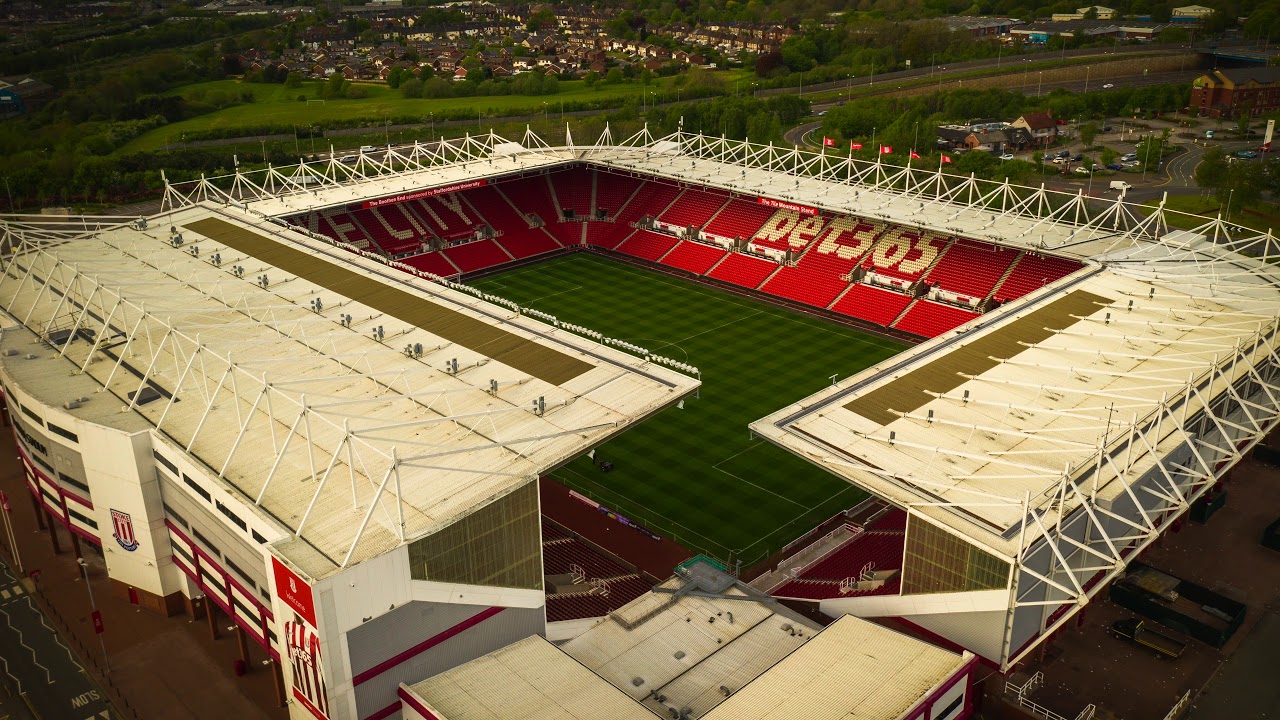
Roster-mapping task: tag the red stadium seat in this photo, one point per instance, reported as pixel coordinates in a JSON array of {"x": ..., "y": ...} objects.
[
  {"x": 745, "y": 270},
  {"x": 476, "y": 255},
  {"x": 740, "y": 218},
  {"x": 971, "y": 268},
  {"x": 931, "y": 319},
  {"x": 693, "y": 256},
  {"x": 648, "y": 245},
  {"x": 872, "y": 304},
  {"x": 1032, "y": 273},
  {"x": 693, "y": 208}
]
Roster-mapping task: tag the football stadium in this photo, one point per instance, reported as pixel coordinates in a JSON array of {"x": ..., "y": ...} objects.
[{"x": 437, "y": 415}]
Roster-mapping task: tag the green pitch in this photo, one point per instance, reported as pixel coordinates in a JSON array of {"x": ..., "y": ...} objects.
[{"x": 693, "y": 473}]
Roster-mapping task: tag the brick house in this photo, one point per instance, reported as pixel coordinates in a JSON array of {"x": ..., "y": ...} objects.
[
  {"x": 1230, "y": 92},
  {"x": 1041, "y": 126}
]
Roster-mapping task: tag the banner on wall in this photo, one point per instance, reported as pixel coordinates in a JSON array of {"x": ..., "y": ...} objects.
[
  {"x": 294, "y": 592},
  {"x": 405, "y": 197},
  {"x": 302, "y": 641}
]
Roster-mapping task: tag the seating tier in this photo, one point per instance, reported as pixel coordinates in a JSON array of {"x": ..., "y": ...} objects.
[
  {"x": 448, "y": 216},
  {"x": 476, "y": 255},
  {"x": 693, "y": 208},
  {"x": 805, "y": 285},
  {"x": 745, "y": 270},
  {"x": 693, "y": 256},
  {"x": 573, "y": 190},
  {"x": 931, "y": 319},
  {"x": 533, "y": 196},
  {"x": 432, "y": 262},
  {"x": 527, "y": 243},
  {"x": 607, "y": 235},
  {"x": 740, "y": 218},
  {"x": 971, "y": 268},
  {"x": 651, "y": 199},
  {"x": 496, "y": 210},
  {"x": 613, "y": 190},
  {"x": 648, "y": 245},
  {"x": 872, "y": 304},
  {"x": 1032, "y": 273}
]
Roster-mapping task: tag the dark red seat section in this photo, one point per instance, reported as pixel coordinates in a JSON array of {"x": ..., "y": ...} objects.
[
  {"x": 745, "y": 270},
  {"x": 693, "y": 256},
  {"x": 931, "y": 319}
]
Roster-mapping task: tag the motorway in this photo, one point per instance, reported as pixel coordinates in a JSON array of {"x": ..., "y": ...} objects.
[{"x": 40, "y": 670}]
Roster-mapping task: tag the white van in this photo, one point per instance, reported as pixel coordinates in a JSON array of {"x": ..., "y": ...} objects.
[
  {"x": 367, "y": 149},
  {"x": 1120, "y": 185}
]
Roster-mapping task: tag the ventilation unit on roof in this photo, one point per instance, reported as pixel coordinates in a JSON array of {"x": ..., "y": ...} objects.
[
  {"x": 71, "y": 405},
  {"x": 9, "y": 352},
  {"x": 145, "y": 395}
]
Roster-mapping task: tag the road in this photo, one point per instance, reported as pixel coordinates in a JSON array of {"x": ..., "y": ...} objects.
[{"x": 37, "y": 665}]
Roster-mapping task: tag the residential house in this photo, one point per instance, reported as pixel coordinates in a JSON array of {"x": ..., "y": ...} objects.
[{"x": 1041, "y": 126}]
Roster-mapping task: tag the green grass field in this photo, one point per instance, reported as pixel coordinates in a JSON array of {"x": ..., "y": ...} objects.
[
  {"x": 279, "y": 105},
  {"x": 694, "y": 473}
]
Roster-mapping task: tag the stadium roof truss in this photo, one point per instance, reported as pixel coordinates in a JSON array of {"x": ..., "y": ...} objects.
[
  {"x": 287, "y": 402},
  {"x": 1065, "y": 457}
]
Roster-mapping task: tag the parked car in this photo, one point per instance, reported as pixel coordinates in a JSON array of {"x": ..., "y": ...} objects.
[
  {"x": 1060, "y": 160},
  {"x": 1082, "y": 170},
  {"x": 1120, "y": 185},
  {"x": 1106, "y": 128},
  {"x": 1064, "y": 154},
  {"x": 1108, "y": 86},
  {"x": 1131, "y": 164},
  {"x": 367, "y": 148},
  {"x": 1247, "y": 154},
  {"x": 1061, "y": 122},
  {"x": 1115, "y": 166},
  {"x": 1128, "y": 156},
  {"x": 1007, "y": 156},
  {"x": 1077, "y": 157}
]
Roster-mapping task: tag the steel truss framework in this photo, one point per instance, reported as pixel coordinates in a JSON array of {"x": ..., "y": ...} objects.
[
  {"x": 1204, "y": 401},
  {"x": 245, "y": 398}
]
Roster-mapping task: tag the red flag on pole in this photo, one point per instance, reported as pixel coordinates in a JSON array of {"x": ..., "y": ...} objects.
[
  {"x": 828, "y": 142},
  {"x": 946, "y": 158},
  {"x": 915, "y": 155},
  {"x": 855, "y": 145},
  {"x": 886, "y": 149}
]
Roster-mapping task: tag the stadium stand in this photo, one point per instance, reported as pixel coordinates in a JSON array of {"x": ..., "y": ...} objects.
[
  {"x": 971, "y": 268},
  {"x": 476, "y": 255},
  {"x": 931, "y": 319},
  {"x": 613, "y": 191},
  {"x": 788, "y": 230},
  {"x": 879, "y": 547},
  {"x": 563, "y": 553},
  {"x": 560, "y": 557},
  {"x": 496, "y": 211},
  {"x": 693, "y": 208},
  {"x": 745, "y": 270},
  {"x": 805, "y": 284},
  {"x": 448, "y": 216},
  {"x": 648, "y": 245},
  {"x": 527, "y": 243},
  {"x": 739, "y": 218},
  {"x": 595, "y": 604},
  {"x": 392, "y": 241},
  {"x": 651, "y": 199},
  {"x": 872, "y": 304},
  {"x": 532, "y": 195},
  {"x": 342, "y": 227},
  {"x": 573, "y": 191},
  {"x": 904, "y": 253},
  {"x": 607, "y": 235},
  {"x": 1033, "y": 272},
  {"x": 693, "y": 256},
  {"x": 805, "y": 589},
  {"x": 432, "y": 262}
]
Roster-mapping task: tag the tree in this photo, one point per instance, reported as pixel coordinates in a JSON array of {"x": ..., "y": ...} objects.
[
  {"x": 591, "y": 78},
  {"x": 1108, "y": 156},
  {"x": 613, "y": 77},
  {"x": 412, "y": 87},
  {"x": 799, "y": 53},
  {"x": 293, "y": 80},
  {"x": 1088, "y": 132},
  {"x": 544, "y": 19},
  {"x": 395, "y": 76}
]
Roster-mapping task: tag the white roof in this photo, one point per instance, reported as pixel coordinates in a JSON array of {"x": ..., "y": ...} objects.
[
  {"x": 527, "y": 680},
  {"x": 272, "y": 392},
  {"x": 853, "y": 670}
]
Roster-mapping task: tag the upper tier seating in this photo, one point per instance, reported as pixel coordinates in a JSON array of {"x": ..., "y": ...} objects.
[
  {"x": 931, "y": 319},
  {"x": 882, "y": 550},
  {"x": 693, "y": 208},
  {"x": 1032, "y": 273},
  {"x": 391, "y": 240},
  {"x": 740, "y": 218},
  {"x": 533, "y": 196},
  {"x": 560, "y": 557},
  {"x": 745, "y": 270},
  {"x": 613, "y": 191},
  {"x": 448, "y": 216},
  {"x": 789, "y": 230},
  {"x": 648, "y": 245},
  {"x": 904, "y": 253},
  {"x": 432, "y": 262},
  {"x": 971, "y": 268},
  {"x": 573, "y": 190},
  {"x": 476, "y": 255},
  {"x": 342, "y": 227},
  {"x": 693, "y": 256},
  {"x": 591, "y": 605},
  {"x": 806, "y": 285},
  {"x": 652, "y": 198},
  {"x": 872, "y": 304}
]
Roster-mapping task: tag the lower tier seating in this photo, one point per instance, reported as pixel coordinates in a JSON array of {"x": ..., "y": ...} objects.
[
  {"x": 648, "y": 245},
  {"x": 745, "y": 270},
  {"x": 806, "y": 286},
  {"x": 607, "y": 235},
  {"x": 591, "y": 605},
  {"x": 695, "y": 257},
  {"x": 1032, "y": 273},
  {"x": 527, "y": 243},
  {"x": 432, "y": 262},
  {"x": 931, "y": 319},
  {"x": 872, "y": 304},
  {"x": 477, "y": 255}
]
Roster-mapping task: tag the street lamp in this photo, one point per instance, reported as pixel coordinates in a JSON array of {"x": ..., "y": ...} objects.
[
  {"x": 1039, "y": 81},
  {"x": 84, "y": 567},
  {"x": 1087, "y": 70}
]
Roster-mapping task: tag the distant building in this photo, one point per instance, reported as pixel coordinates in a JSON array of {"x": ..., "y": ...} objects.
[
  {"x": 1098, "y": 13},
  {"x": 1041, "y": 126},
  {"x": 21, "y": 96},
  {"x": 1229, "y": 92},
  {"x": 1190, "y": 13}
]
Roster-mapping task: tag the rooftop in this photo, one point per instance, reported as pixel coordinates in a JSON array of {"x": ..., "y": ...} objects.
[
  {"x": 726, "y": 655},
  {"x": 276, "y": 360}
]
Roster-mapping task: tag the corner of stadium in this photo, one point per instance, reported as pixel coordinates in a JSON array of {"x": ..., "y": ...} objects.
[{"x": 347, "y": 402}]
